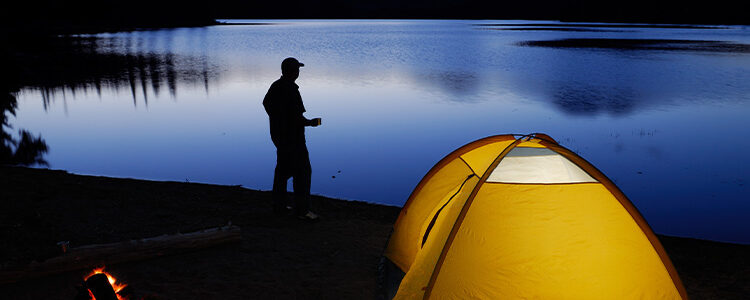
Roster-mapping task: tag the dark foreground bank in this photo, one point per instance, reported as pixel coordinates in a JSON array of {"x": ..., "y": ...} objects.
[{"x": 278, "y": 258}]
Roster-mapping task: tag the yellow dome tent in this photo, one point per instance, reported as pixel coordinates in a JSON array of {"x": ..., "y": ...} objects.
[{"x": 509, "y": 218}]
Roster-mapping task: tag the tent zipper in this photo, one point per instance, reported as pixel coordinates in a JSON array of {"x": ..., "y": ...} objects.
[{"x": 432, "y": 223}]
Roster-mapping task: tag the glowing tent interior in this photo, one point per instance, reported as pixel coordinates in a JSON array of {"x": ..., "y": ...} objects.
[{"x": 507, "y": 218}]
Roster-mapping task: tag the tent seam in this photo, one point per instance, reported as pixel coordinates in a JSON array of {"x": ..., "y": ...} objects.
[
  {"x": 467, "y": 164},
  {"x": 462, "y": 214}
]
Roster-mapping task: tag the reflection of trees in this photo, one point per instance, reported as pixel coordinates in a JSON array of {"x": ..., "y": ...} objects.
[
  {"x": 79, "y": 65},
  {"x": 27, "y": 149},
  {"x": 591, "y": 100},
  {"x": 458, "y": 86}
]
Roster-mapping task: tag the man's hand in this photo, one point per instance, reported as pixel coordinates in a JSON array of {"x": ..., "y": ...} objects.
[{"x": 315, "y": 122}]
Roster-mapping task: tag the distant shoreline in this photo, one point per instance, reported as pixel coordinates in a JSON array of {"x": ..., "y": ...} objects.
[
  {"x": 68, "y": 29},
  {"x": 562, "y": 22}
]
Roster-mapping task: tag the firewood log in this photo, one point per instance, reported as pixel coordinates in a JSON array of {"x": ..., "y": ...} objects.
[
  {"x": 100, "y": 287},
  {"x": 90, "y": 256}
]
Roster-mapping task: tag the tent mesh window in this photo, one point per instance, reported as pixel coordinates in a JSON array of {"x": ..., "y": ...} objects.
[{"x": 537, "y": 166}]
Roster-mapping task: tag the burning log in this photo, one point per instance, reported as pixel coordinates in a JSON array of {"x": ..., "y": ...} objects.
[
  {"x": 100, "y": 254},
  {"x": 100, "y": 287}
]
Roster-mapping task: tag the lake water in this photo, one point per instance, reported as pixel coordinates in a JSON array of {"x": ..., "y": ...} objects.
[{"x": 662, "y": 111}]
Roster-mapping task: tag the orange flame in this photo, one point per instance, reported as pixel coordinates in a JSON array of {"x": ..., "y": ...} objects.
[{"x": 117, "y": 286}]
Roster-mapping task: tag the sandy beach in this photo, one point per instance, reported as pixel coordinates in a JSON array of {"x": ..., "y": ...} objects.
[{"x": 278, "y": 257}]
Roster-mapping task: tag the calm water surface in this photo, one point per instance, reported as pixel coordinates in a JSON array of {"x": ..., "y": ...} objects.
[{"x": 668, "y": 124}]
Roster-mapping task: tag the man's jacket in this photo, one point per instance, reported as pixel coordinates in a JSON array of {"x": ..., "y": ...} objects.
[{"x": 283, "y": 103}]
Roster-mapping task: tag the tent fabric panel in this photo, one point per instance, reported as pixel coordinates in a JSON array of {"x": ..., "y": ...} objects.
[
  {"x": 462, "y": 214},
  {"x": 450, "y": 158},
  {"x": 399, "y": 249},
  {"x": 634, "y": 213},
  {"x": 416, "y": 279},
  {"x": 537, "y": 165},
  {"x": 479, "y": 159},
  {"x": 550, "y": 242},
  {"x": 406, "y": 238}
]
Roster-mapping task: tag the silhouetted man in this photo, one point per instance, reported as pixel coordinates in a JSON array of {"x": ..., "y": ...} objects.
[{"x": 283, "y": 103}]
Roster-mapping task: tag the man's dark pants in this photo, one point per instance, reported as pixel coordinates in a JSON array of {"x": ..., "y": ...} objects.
[{"x": 294, "y": 162}]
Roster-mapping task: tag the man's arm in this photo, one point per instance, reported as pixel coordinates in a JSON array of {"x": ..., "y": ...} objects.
[{"x": 309, "y": 122}]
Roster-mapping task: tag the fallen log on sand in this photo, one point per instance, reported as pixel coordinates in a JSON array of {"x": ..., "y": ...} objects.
[{"x": 91, "y": 256}]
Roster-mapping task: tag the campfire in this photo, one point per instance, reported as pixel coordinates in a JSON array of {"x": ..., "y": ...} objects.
[{"x": 100, "y": 285}]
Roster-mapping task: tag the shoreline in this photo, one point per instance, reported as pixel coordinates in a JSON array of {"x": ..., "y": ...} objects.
[
  {"x": 156, "y": 180},
  {"x": 279, "y": 257}
]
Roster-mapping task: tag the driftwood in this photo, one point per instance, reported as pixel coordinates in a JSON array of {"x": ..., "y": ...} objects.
[{"x": 91, "y": 256}]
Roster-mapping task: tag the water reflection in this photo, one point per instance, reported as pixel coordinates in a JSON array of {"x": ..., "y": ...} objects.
[
  {"x": 79, "y": 65},
  {"x": 460, "y": 86},
  {"x": 26, "y": 149},
  {"x": 600, "y": 25},
  {"x": 588, "y": 100},
  {"x": 644, "y": 44},
  {"x": 59, "y": 67},
  {"x": 566, "y": 29}
]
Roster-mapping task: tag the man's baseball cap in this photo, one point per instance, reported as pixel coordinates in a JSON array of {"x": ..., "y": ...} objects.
[{"x": 291, "y": 62}]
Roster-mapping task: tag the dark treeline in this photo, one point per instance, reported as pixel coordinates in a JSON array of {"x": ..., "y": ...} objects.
[
  {"x": 80, "y": 16},
  {"x": 645, "y": 11},
  {"x": 90, "y": 15}
]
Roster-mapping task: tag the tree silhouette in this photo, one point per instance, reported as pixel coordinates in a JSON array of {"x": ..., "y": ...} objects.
[{"x": 27, "y": 150}]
